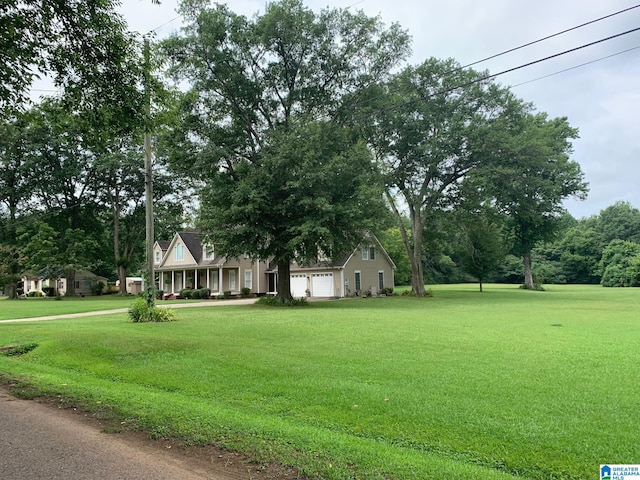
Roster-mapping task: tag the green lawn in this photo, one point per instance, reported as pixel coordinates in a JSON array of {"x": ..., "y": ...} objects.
[
  {"x": 504, "y": 384},
  {"x": 37, "y": 307}
]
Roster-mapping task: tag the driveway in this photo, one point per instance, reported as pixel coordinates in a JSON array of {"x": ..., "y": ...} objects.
[{"x": 217, "y": 303}]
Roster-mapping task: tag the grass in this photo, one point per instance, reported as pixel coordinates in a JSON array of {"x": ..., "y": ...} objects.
[
  {"x": 501, "y": 385},
  {"x": 38, "y": 307}
]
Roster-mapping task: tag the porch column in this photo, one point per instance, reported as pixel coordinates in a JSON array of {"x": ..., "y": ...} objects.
[
  {"x": 184, "y": 279},
  {"x": 173, "y": 281},
  {"x": 220, "y": 279},
  {"x": 195, "y": 279},
  {"x": 208, "y": 279}
]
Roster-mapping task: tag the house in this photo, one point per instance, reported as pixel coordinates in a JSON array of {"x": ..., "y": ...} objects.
[
  {"x": 134, "y": 285},
  {"x": 85, "y": 283},
  {"x": 186, "y": 262}
]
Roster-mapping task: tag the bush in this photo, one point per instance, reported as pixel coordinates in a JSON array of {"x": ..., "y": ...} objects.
[
  {"x": 246, "y": 291},
  {"x": 141, "y": 312},
  {"x": 34, "y": 293},
  {"x": 186, "y": 293},
  {"x": 226, "y": 294},
  {"x": 97, "y": 288},
  {"x": 275, "y": 302},
  {"x": 204, "y": 293},
  {"x": 159, "y": 294}
]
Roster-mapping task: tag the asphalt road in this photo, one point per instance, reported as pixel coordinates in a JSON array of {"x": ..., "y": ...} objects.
[{"x": 38, "y": 441}]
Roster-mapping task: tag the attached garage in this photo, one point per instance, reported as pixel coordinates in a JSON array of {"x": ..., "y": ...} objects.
[
  {"x": 322, "y": 285},
  {"x": 299, "y": 285}
]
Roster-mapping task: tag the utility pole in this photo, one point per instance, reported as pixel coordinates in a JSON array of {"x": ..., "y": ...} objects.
[{"x": 148, "y": 179}]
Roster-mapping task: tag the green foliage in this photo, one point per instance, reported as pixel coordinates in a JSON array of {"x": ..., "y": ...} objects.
[
  {"x": 391, "y": 240},
  {"x": 619, "y": 264},
  {"x": 186, "y": 293},
  {"x": 97, "y": 288},
  {"x": 263, "y": 129},
  {"x": 140, "y": 311},
  {"x": 270, "y": 301}
]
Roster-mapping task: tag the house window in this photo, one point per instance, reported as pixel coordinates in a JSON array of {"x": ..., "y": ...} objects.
[
  {"x": 157, "y": 257},
  {"x": 365, "y": 253},
  {"x": 232, "y": 280},
  {"x": 358, "y": 282},
  {"x": 372, "y": 253},
  {"x": 179, "y": 252},
  {"x": 214, "y": 282},
  {"x": 248, "y": 279},
  {"x": 380, "y": 280},
  {"x": 208, "y": 252}
]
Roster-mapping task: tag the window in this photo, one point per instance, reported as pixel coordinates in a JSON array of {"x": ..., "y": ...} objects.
[
  {"x": 157, "y": 256},
  {"x": 248, "y": 279},
  {"x": 372, "y": 253},
  {"x": 365, "y": 253},
  {"x": 232, "y": 280},
  {"x": 179, "y": 252},
  {"x": 380, "y": 280},
  {"x": 209, "y": 254},
  {"x": 358, "y": 282},
  {"x": 214, "y": 282}
]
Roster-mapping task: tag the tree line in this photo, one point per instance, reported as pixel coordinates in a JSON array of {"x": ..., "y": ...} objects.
[{"x": 296, "y": 132}]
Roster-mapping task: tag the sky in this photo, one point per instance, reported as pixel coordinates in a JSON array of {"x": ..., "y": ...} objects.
[{"x": 601, "y": 99}]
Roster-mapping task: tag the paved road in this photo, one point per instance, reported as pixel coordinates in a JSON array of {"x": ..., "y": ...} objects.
[{"x": 41, "y": 442}]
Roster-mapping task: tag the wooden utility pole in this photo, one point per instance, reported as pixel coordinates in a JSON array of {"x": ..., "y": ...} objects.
[{"x": 148, "y": 179}]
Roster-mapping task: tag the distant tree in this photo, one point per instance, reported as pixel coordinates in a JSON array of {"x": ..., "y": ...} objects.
[
  {"x": 482, "y": 246},
  {"x": 620, "y": 221},
  {"x": 427, "y": 131},
  {"x": 581, "y": 253},
  {"x": 531, "y": 176},
  {"x": 392, "y": 242},
  {"x": 280, "y": 175},
  {"x": 619, "y": 264}
]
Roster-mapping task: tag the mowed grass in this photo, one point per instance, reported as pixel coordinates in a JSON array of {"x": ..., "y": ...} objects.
[
  {"x": 504, "y": 384},
  {"x": 38, "y": 307}
]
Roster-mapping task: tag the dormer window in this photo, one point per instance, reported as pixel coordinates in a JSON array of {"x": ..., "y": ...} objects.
[
  {"x": 157, "y": 256},
  {"x": 209, "y": 253},
  {"x": 179, "y": 252}
]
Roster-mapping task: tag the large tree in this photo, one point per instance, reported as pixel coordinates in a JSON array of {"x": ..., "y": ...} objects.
[
  {"x": 531, "y": 176},
  {"x": 428, "y": 132},
  {"x": 282, "y": 177},
  {"x": 83, "y": 46}
]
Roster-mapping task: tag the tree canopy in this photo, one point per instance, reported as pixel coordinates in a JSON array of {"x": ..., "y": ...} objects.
[{"x": 281, "y": 175}]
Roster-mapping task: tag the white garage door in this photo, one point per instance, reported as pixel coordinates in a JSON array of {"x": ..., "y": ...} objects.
[
  {"x": 298, "y": 286},
  {"x": 322, "y": 284}
]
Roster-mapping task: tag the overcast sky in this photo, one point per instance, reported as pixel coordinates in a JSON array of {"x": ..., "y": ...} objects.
[{"x": 601, "y": 99}]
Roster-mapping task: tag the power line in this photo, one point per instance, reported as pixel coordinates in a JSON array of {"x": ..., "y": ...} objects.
[
  {"x": 550, "y": 36},
  {"x": 576, "y": 66}
]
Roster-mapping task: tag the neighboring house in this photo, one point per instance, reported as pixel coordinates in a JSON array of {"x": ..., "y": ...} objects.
[
  {"x": 187, "y": 263},
  {"x": 134, "y": 285},
  {"x": 84, "y": 282}
]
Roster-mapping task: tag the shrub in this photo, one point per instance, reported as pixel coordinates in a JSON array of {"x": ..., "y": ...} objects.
[
  {"x": 141, "y": 312},
  {"x": 226, "y": 294},
  {"x": 186, "y": 293},
  {"x": 275, "y": 302},
  {"x": 205, "y": 293},
  {"x": 246, "y": 291},
  {"x": 34, "y": 293},
  {"x": 97, "y": 288},
  {"x": 159, "y": 294}
]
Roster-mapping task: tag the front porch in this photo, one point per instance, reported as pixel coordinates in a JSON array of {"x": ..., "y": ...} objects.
[{"x": 218, "y": 280}]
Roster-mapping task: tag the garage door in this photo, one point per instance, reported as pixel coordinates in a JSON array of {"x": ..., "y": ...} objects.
[
  {"x": 298, "y": 286},
  {"x": 322, "y": 284}
]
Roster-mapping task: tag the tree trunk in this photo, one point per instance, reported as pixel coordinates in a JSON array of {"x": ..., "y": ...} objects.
[
  {"x": 414, "y": 251},
  {"x": 122, "y": 277},
  {"x": 71, "y": 283},
  {"x": 528, "y": 275},
  {"x": 284, "y": 281},
  {"x": 480, "y": 280}
]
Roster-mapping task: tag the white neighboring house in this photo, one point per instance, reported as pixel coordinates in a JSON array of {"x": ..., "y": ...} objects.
[
  {"x": 134, "y": 285},
  {"x": 84, "y": 282}
]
